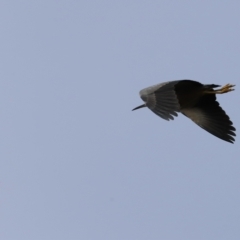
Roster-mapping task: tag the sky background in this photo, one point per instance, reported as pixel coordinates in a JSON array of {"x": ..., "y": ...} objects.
[{"x": 75, "y": 161}]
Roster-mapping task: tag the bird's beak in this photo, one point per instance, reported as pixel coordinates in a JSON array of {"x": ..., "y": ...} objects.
[{"x": 141, "y": 106}]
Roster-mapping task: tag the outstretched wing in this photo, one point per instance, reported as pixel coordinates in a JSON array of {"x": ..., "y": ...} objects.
[{"x": 210, "y": 116}]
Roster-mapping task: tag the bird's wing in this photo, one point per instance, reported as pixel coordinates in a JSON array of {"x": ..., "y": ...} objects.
[
  {"x": 211, "y": 117},
  {"x": 162, "y": 100}
]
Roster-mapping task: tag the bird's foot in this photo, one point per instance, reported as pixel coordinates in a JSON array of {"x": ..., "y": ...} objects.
[{"x": 225, "y": 89}]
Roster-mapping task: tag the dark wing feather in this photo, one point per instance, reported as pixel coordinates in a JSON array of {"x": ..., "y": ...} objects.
[
  {"x": 162, "y": 99},
  {"x": 211, "y": 117}
]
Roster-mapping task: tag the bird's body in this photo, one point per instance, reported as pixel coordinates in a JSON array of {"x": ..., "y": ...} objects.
[{"x": 193, "y": 99}]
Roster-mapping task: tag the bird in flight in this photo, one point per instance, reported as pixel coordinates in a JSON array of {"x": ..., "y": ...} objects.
[{"x": 195, "y": 100}]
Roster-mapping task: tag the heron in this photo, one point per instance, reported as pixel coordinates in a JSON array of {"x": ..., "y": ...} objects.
[{"x": 193, "y": 99}]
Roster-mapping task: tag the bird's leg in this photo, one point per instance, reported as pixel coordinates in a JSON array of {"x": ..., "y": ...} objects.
[{"x": 224, "y": 89}]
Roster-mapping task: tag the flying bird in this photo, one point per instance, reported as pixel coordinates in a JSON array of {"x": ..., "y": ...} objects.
[{"x": 195, "y": 100}]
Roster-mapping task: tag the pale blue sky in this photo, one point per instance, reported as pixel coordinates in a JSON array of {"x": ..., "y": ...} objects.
[{"x": 75, "y": 161}]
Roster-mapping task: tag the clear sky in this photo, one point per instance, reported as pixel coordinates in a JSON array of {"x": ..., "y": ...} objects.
[{"x": 75, "y": 161}]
